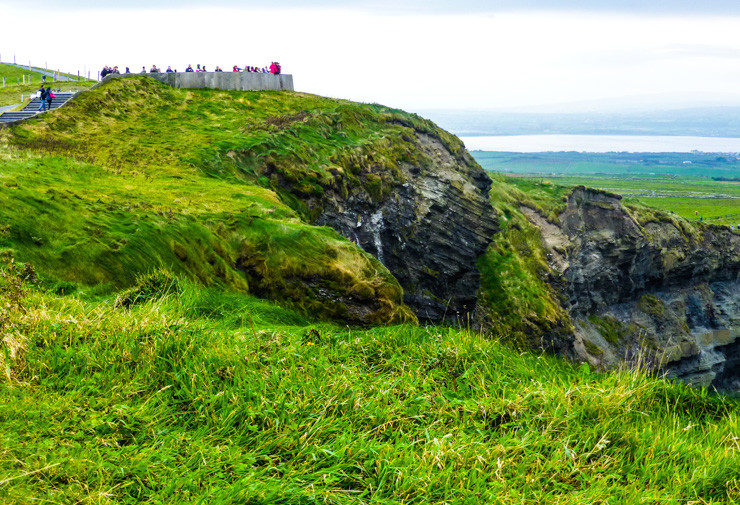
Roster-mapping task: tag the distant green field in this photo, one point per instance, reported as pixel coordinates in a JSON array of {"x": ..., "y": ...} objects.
[
  {"x": 716, "y": 211},
  {"x": 632, "y": 164},
  {"x": 717, "y": 202},
  {"x": 661, "y": 180}
]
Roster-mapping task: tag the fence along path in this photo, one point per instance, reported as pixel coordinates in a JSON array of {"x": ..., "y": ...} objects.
[{"x": 55, "y": 75}]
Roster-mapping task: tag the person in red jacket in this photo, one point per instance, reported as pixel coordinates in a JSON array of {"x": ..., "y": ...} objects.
[{"x": 273, "y": 68}]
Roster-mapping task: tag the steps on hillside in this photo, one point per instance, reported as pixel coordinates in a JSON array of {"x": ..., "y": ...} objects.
[
  {"x": 32, "y": 108},
  {"x": 11, "y": 117}
]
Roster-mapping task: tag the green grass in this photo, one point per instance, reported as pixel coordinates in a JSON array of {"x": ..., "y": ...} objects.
[
  {"x": 141, "y": 363},
  {"x": 112, "y": 231},
  {"x": 16, "y": 86},
  {"x": 515, "y": 295},
  {"x": 723, "y": 211},
  {"x": 692, "y": 198},
  {"x": 195, "y": 396},
  {"x": 135, "y": 175}
]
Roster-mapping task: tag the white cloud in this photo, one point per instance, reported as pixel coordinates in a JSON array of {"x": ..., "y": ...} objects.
[{"x": 403, "y": 60}]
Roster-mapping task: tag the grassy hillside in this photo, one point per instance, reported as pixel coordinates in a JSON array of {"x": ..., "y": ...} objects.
[
  {"x": 135, "y": 175},
  {"x": 516, "y": 296},
  {"x": 140, "y": 362},
  {"x": 193, "y": 395}
]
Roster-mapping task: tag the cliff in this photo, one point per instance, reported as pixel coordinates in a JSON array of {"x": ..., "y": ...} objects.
[
  {"x": 360, "y": 214},
  {"x": 235, "y": 189},
  {"x": 646, "y": 288},
  {"x": 419, "y": 204}
]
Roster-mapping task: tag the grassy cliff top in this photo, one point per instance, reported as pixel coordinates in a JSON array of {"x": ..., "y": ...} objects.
[{"x": 135, "y": 175}]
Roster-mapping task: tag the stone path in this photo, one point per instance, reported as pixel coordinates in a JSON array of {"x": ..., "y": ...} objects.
[{"x": 32, "y": 109}]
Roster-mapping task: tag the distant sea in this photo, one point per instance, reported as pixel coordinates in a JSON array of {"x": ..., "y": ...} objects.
[{"x": 602, "y": 144}]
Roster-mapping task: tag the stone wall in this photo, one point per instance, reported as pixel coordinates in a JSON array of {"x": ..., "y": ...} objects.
[{"x": 237, "y": 81}]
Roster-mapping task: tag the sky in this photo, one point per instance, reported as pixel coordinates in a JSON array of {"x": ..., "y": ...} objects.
[{"x": 414, "y": 55}]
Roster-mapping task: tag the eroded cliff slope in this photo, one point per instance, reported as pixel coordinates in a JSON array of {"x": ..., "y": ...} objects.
[
  {"x": 645, "y": 288},
  {"x": 235, "y": 189}
]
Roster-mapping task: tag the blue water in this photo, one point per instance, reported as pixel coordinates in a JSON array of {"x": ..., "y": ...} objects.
[{"x": 602, "y": 144}]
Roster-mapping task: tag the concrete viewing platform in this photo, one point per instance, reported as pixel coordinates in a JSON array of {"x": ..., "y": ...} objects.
[{"x": 236, "y": 81}]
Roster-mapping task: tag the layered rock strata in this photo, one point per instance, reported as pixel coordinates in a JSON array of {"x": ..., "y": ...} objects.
[
  {"x": 654, "y": 290},
  {"x": 429, "y": 230}
]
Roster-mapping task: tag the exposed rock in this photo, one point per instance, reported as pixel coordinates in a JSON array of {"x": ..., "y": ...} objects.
[
  {"x": 612, "y": 258},
  {"x": 429, "y": 230},
  {"x": 657, "y": 292}
]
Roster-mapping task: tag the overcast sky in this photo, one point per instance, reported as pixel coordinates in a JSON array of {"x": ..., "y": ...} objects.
[{"x": 415, "y": 55}]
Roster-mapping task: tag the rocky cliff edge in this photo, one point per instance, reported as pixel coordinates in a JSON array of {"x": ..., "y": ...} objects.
[{"x": 647, "y": 288}]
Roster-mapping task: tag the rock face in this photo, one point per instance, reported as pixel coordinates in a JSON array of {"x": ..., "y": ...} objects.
[
  {"x": 428, "y": 230},
  {"x": 655, "y": 290}
]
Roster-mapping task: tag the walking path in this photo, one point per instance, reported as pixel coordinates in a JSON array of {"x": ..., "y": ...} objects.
[
  {"x": 32, "y": 109},
  {"x": 47, "y": 73}
]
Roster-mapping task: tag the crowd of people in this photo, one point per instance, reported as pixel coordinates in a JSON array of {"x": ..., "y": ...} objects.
[{"x": 273, "y": 68}]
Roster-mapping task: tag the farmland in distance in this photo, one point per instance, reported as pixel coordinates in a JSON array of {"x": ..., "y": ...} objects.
[{"x": 696, "y": 186}]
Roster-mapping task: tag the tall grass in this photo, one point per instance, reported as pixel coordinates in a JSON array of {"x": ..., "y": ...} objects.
[
  {"x": 176, "y": 390},
  {"x": 169, "y": 402}
]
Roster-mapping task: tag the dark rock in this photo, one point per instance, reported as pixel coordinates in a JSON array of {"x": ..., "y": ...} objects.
[
  {"x": 650, "y": 290},
  {"x": 429, "y": 230}
]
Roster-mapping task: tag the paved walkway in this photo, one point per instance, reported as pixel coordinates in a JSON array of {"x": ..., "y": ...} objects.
[{"x": 47, "y": 73}]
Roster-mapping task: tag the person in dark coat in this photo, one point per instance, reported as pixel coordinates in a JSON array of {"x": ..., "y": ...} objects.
[
  {"x": 49, "y": 97},
  {"x": 43, "y": 94}
]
